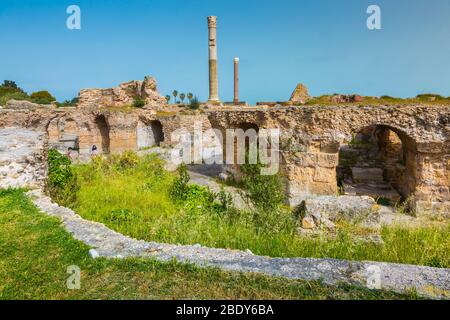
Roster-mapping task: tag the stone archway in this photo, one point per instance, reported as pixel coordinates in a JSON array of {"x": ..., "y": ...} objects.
[
  {"x": 379, "y": 162},
  {"x": 63, "y": 134},
  {"x": 101, "y": 137},
  {"x": 149, "y": 134},
  {"x": 240, "y": 147}
]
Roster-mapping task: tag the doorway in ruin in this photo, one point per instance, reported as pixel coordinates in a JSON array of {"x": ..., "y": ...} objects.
[
  {"x": 149, "y": 135},
  {"x": 101, "y": 139},
  {"x": 244, "y": 149},
  {"x": 63, "y": 134},
  {"x": 378, "y": 162}
]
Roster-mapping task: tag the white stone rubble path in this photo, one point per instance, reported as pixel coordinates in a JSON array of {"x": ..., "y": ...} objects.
[{"x": 427, "y": 281}]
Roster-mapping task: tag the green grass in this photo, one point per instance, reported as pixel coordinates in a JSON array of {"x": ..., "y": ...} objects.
[
  {"x": 35, "y": 252},
  {"x": 135, "y": 202}
]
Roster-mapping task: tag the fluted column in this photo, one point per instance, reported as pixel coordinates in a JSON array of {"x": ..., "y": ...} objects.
[
  {"x": 236, "y": 80},
  {"x": 213, "y": 81}
]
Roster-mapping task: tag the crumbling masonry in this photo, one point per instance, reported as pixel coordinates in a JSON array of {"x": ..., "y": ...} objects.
[{"x": 412, "y": 154}]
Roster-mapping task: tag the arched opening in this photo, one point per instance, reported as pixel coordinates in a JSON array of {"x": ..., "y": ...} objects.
[
  {"x": 243, "y": 149},
  {"x": 378, "y": 162},
  {"x": 149, "y": 135},
  {"x": 101, "y": 139},
  {"x": 63, "y": 134}
]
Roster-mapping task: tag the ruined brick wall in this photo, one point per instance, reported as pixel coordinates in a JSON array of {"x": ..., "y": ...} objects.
[
  {"x": 312, "y": 135},
  {"x": 122, "y": 95}
]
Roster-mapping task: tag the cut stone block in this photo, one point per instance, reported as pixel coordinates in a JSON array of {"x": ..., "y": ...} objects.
[
  {"x": 334, "y": 208},
  {"x": 367, "y": 174}
]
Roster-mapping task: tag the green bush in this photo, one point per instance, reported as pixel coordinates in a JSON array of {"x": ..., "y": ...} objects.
[
  {"x": 179, "y": 189},
  {"x": 194, "y": 104},
  {"x": 124, "y": 161},
  {"x": 42, "y": 97},
  {"x": 62, "y": 180},
  {"x": 138, "y": 102},
  {"x": 9, "y": 90},
  {"x": 265, "y": 192},
  {"x": 67, "y": 103},
  {"x": 6, "y": 96}
]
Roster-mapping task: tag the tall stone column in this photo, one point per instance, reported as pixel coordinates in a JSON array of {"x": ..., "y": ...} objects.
[
  {"x": 213, "y": 82},
  {"x": 236, "y": 80}
]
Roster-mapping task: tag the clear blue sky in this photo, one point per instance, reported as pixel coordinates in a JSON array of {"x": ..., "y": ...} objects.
[{"x": 322, "y": 43}]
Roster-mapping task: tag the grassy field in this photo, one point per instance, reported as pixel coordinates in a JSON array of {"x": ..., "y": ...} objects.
[
  {"x": 136, "y": 202},
  {"x": 35, "y": 252}
]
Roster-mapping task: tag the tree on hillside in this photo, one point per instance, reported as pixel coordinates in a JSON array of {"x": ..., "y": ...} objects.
[
  {"x": 190, "y": 96},
  {"x": 168, "y": 98},
  {"x": 182, "y": 96},
  {"x": 42, "y": 97},
  {"x": 11, "y": 85},
  {"x": 175, "y": 94}
]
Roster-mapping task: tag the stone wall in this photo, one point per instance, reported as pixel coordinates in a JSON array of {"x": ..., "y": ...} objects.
[
  {"x": 311, "y": 137},
  {"x": 122, "y": 95}
]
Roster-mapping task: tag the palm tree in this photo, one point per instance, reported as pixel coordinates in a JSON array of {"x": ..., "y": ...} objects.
[
  {"x": 175, "y": 94},
  {"x": 182, "y": 96},
  {"x": 190, "y": 96},
  {"x": 167, "y": 98}
]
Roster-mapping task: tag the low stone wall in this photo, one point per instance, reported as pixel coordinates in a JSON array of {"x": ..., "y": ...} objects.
[{"x": 427, "y": 281}]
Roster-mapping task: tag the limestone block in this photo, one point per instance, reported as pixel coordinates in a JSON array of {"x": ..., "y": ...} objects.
[
  {"x": 325, "y": 175},
  {"x": 361, "y": 174},
  {"x": 335, "y": 208}
]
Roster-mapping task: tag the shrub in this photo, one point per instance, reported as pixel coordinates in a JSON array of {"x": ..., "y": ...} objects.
[
  {"x": 9, "y": 90},
  {"x": 265, "y": 192},
  {"x": 62, "y": 181},
  {"x": 138, "y": 102},
  {"x": 179, "y": 189},
  {"x": 42, "y": 97},
  {"x": 6, "y": 96},
  {"x": 194, "y": 104},
  {"x": 67, "y": 103},
  {"x": 127, "y": 160}
]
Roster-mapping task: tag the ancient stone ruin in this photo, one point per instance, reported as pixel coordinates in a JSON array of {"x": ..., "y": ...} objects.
[
  {"x": 390, "y": 153},
  {"x": 123, "y": 95}
]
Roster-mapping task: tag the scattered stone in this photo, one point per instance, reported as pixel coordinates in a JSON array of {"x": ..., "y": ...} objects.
[
  {"x": 335, "y": 208},
  {"x": 345, "y": 98},
  {"x": 308, "y": 223},
  {"x": 223, "y": 176},
  {"x": 93, "y": 253}
]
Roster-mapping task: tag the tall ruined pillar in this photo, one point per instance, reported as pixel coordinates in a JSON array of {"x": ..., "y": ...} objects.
[
  {"x": 213, "y": 82},
  {"x": 236, "y": 80}
]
